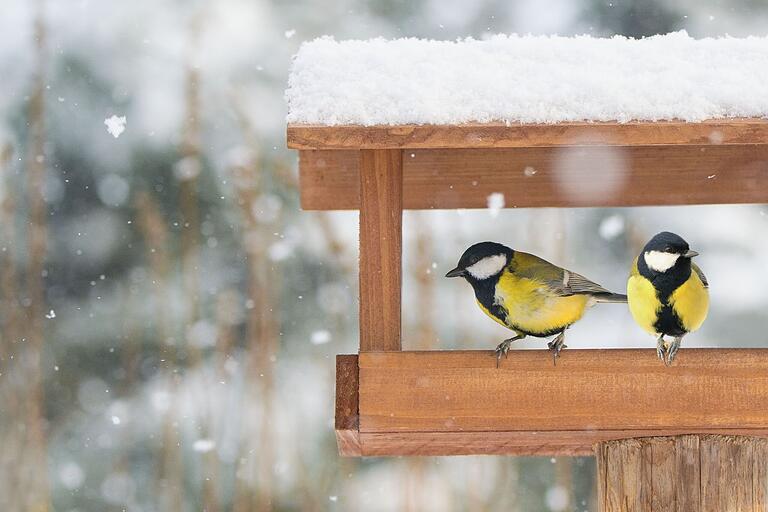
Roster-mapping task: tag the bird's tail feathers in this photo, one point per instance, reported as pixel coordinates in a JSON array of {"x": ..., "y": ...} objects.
[{"x": 611, "y": 298}]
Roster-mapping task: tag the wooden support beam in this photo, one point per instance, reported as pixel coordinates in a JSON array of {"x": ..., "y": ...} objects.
[
  {"x": 499, "y": 135},
  {"x": 703, "y": 473},
  {"x": 550, "y": 177},
  {"x": 459, "y": 403},
  {"x": 347, "y": 419},
  {"x": 381, "y": 214}
]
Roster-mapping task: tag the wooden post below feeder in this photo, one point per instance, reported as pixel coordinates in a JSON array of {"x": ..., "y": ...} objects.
[{"x": 692, "y": 473}]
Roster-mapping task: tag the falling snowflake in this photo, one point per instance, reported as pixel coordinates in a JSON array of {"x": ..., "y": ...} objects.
[
  {"x": 557, "y": 498},
  {"x": 51, "y": 315},
  {"x": 115, "y": 125},
  {"x": 115, "y": 420},
  {"x": 611, "y": 227},
  {"x": 71, "y": 475},
  {"x": 290, "y": 33},
  {"x": 320, "y": 337},
  {"x": 204, "y": 445},
  {"x": 495, "y": 203}
]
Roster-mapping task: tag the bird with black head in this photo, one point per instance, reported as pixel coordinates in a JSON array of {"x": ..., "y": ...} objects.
[
  {"x": 668, "y": 293},
  {"x": 527, "y": 294}
]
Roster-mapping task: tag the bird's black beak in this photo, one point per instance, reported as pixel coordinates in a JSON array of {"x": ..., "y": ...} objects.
[
  {"x": 690, "y": 254},
  {"x": 457, "y": 272}
]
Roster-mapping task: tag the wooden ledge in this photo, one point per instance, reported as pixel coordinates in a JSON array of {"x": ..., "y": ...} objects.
[
  {"x": 498, "y": 135},
  {"x": 459, "y": 403}
]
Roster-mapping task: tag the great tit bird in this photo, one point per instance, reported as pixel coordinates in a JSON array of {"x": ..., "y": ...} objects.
[
  {"x": 667, "y": 292},
  {"x": 527, "y": 294}
]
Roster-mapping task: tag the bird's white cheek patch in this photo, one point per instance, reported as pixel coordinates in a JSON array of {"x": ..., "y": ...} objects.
[
  {"x": 660, "y": 261},
  {"x": 488, "y": 266}
]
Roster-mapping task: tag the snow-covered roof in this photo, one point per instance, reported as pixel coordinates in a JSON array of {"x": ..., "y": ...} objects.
[{"x": 528, "y": 79}]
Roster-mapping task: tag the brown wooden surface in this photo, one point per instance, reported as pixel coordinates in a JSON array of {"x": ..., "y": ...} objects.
[
  {"x": 458, "y": 402},
  {"x": 498, "y": 135},
  {"x": 347, "y": 419},
  {"x": 707, "y": 473},
  {"x": 528, "y": 443},
  {"x": 381, "y": 209},
  {"x": 546, "y": 177}
]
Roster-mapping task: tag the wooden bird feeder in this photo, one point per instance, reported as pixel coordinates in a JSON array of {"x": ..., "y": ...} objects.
[{"x": 622, "y": 405}]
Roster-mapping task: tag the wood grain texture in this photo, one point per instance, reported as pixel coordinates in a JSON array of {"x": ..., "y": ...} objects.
[
  {"x": 381, "y": 214},
  {"x": 458, "y": 402},
  {"x": 528, "y": 443},
  {"x": 550, "y": 177},
  {"x": 347, "y": 418},
  {"x": 498, "y": 135},
  {"x": 706, "y": 473}
]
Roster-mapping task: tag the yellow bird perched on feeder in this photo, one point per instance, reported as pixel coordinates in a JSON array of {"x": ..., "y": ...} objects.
[
  {"x": 667, "y": 292},
  {"x": 527, "y": 294}
]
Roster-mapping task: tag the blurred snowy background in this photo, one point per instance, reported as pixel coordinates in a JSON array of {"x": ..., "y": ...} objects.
[{"x": 170, "y": 317}]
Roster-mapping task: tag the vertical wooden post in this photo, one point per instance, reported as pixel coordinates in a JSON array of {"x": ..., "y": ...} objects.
[
  {"x": 703, "y": 473},
  {"x": 381, "y": 213}
]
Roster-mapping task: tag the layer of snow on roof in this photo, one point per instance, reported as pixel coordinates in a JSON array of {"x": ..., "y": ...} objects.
[{"x": 528, "y": 79}]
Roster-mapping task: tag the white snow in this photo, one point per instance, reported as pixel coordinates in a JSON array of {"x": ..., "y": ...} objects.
[
  {"x": 557, "y": 498},
  {"x": 204, "y": 445},
  {"x": 50, "y": 315},
  {"x": 495, "y": 203},
  {"x": 528, "y": 79},
  {"x": 320, "y": 337},
  {"x": 71, "y": 475},
  {"x": 611, "y": 227},
  {"x": 115, "y": 125}
]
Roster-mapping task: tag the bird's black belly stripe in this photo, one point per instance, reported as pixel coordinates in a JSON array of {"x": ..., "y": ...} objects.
[
  {"x": 668, "y": 322},
  {"x": 665, "y": 283}
]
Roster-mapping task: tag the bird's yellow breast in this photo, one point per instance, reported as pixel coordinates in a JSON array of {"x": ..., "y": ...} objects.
[
  {"x": 644, "y": 303},
  {"x": 533, "y": 307},
  {"x": 690, "y": 302}
]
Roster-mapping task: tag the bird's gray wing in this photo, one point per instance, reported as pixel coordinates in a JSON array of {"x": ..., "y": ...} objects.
[
  {"x": 578, "y": 284},
  {"x": 701, "y": 275}
]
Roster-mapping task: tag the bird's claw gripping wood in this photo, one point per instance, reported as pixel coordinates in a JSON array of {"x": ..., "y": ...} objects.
[
  {"x": 503, "y": 348},
  {"x": 672, "y": 350},
  {"x": 661, "y": 349},
  {"x": 556, "y": 345}
]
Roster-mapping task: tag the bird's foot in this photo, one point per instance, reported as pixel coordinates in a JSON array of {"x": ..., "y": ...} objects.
[
  {"x": 503, "y": 348},
  {"x": 556, "y": 345},
  {"x": 672, "y": 350},
  {"x": 661, "y": 349}
]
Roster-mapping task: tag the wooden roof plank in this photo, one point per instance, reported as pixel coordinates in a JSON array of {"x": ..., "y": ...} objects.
[{"x": 499, "y": 135}]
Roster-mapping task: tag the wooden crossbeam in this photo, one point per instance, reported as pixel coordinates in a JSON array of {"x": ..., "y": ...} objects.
[
  {"x": 458, "y": 402},
  {"x": 499, "y": 135},
  {"x": 550, "y": 177}
]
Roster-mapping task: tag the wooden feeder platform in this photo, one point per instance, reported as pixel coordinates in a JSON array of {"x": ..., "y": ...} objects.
[{"x": 393, "y": 402}]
